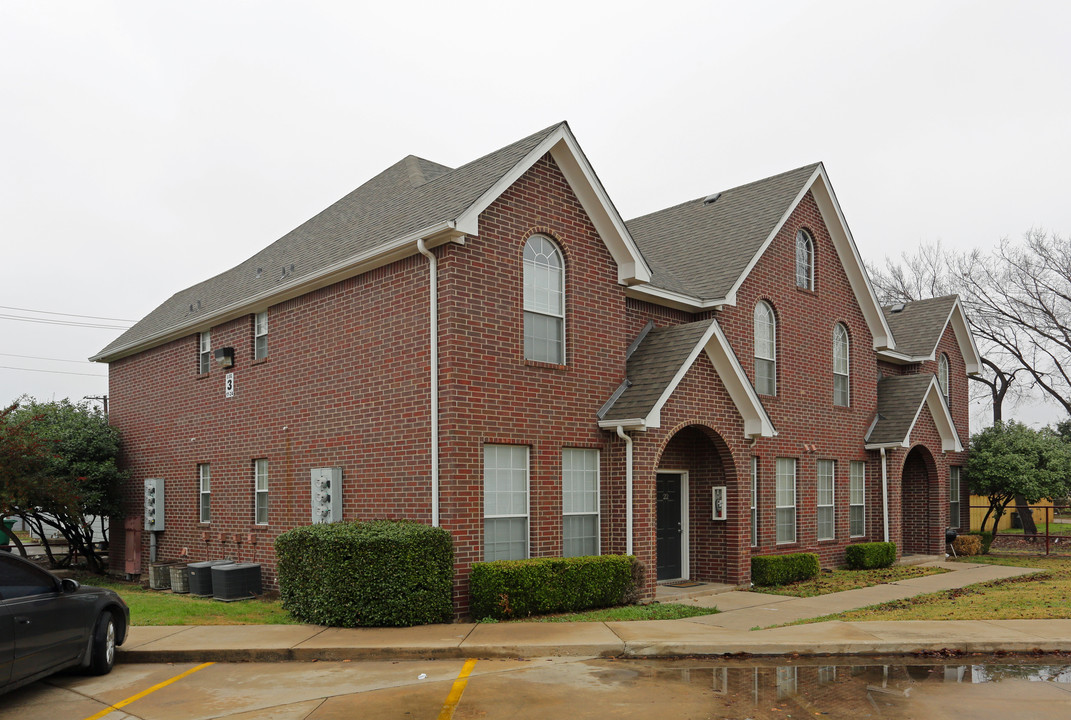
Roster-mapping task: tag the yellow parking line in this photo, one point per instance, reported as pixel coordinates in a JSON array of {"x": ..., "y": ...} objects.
[
  {"x": 455, "y": 692},
  {"x": 143, "y": 693}
]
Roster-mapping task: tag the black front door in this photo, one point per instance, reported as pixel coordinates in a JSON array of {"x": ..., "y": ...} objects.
[{"x": 668, "y": 512}]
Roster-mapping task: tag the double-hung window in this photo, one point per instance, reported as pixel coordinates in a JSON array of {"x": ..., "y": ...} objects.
[
  {"x": 754, "y": 501},
  {"x": 826, "y": 473},
  {"x": 260, "y": 484},
  {"x": 505, "y": 502},
  {"x": 841, "y": 395},
  {"x": 786, "y": 500},
  {"x": 205, "y": 475},
  {"x": 205, "y": 352},
  {"x": 544, "y": 301},
  {"x": 953, "y": 497},
  {"x": 260, "y": 336},
  {"x": 580, "y": 502},
  {"x": 765, "y": 349},
  {"x": 857, "y": 499}
]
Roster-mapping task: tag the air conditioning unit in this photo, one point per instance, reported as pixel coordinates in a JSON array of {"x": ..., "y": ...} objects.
[
  {"x": 240, "y": 581},
  {"x": 160, "y": 575},
  {"x": 201, "y": 576},
  {"x": 180, "y": 578}
]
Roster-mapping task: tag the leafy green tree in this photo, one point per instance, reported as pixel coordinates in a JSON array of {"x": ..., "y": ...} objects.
[
  {"x": 1009, "y": 459},
  {"x": 66, "y": 477}
]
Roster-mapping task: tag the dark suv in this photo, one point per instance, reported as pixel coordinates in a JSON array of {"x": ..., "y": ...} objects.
[{"x": 48, "y": 624}]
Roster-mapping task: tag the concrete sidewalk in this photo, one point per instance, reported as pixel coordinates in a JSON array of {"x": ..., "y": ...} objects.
[{"x": 728, "y": 632}]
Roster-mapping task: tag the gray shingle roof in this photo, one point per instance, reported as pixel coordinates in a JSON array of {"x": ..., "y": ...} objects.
[
  {"x": 899, "y": 400},
  {"x": 652, "y": 367},
  {"x": 702, "y": 249},
  {"x": 917, "y": 328},
  {"x": 409, "y": 196}
]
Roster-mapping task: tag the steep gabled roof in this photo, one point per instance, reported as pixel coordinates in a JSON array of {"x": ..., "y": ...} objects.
[
  {"x": 901, "y": 399},
  {"x": 702, "y": 251},
  {"x": 659, "y": 363},
  {"x": 918, "y": 327},
  {"x": 378, "y": 223}
]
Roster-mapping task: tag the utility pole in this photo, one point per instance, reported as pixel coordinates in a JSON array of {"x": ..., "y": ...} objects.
[{"x": 102, "y": 398}]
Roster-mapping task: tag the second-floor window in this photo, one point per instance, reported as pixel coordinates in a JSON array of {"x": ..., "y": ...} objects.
[
  {"x": 205, "y": 352},
  {"x": 765, "y": 349},
  {"x": 260, "y": 336},
  {"x": 841, "y": 395},
  {"x": 942, "y": 375},
  {"x": 804, "y": 261},
  {"x": 544, "y": 301}
]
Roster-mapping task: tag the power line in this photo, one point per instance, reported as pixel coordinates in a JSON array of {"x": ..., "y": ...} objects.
[
  {"x": 46, "y": 312},
  {"x": 35, "y": 357},
  {"x": 53, "y": 372},
  {"x": 67, "y": 323}
]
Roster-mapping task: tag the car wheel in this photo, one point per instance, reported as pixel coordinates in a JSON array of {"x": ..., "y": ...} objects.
[{"x": 103, "y": 649}]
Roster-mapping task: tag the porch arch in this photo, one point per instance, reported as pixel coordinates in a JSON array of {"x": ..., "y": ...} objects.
[{"x": 919, "y": 483}]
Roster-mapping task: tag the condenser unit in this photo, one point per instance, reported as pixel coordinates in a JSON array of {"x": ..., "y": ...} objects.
[
  {"x": 201, "y": 576},
  {"x": 240, "y": 581}
]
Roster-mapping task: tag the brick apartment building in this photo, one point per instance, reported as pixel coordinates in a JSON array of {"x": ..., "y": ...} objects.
[{"x": 494, "y": 350}]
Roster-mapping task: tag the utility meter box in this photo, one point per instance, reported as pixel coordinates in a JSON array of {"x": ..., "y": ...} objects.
[
  {"x": 154, "y": 504},
  {"x": 326, "y": 495}
]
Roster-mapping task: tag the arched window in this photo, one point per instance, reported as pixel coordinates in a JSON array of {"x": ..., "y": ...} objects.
[
  {"x": 942, "y": 375},
  {"x": 544, "y": 301},
  {"x": 841, "y": 364},
  {"x": 765, "y": 349},
  {"x": 804, "y": 261}
]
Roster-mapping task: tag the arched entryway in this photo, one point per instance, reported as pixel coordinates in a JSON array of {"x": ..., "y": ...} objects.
[
  {"x": 696, "y": 497},
  {"x": 919, "y": 479}
]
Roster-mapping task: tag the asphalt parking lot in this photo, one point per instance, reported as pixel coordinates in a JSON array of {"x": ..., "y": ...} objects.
[{"x": 573, "y": 688}]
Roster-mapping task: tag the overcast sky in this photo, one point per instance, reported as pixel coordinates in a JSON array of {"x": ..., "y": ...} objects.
[{"x": 147, "y": 146}]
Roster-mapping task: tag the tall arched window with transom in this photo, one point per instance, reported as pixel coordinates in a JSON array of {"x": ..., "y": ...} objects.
[
  {"x": 942, "y": 376},
  {"x": 841, "y": 364},
  {"x": 765, "y": 349},
  {"x": 544, "y": 301},
  {"x": 804, "y": 260}
]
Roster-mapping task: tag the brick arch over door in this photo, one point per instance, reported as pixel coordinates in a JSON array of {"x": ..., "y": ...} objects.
[
  {"x": 919, "y": 480},
  {"x": 710, "y": 549}
]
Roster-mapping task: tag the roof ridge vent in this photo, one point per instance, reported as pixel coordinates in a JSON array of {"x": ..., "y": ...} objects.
[{"x": 711, "y": 199}]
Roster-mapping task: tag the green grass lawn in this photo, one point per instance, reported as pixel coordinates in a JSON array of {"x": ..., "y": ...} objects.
[
  {"x": 838, "y": 580},
  {"x": 1055, "y": 528},
  {"x": 156, "y": 607},
  {"x": 1032, "y": 597}
]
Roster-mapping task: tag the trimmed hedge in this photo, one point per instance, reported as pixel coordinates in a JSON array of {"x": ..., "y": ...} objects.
[
  {"x": 505, "y": 589},
  {"x": 784, "y": 569},
  {"x": 967, "y": 545},
  {"x": 380, "y": 573},
  {"x": 866, "y": 556}
]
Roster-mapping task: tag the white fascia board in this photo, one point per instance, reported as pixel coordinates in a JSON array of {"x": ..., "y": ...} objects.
[
  {"x": 757, "y": 422},
  {"x": 887, "y": 446},
  {"x": 628, "y": 424},
  {"x": 393, "y": 251},
  {"x": 902, "y": 358},
  {"x": 631, "y": 267},
  {"x": 675, "y": 300},
  {"x": 851, "y": 260},
  {"x": 967, "y": 346},
  {"x": 942, "y": 418}
]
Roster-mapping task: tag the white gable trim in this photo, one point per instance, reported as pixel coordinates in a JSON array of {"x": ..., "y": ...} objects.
[
  {"x": 631, "y": 267},
  {"x": 942, "y": 418},
  {"x": 757, "y": 422}
]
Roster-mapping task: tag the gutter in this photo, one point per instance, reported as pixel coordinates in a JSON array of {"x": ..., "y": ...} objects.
[
  {"x": 433, "y": 340},
  {"x": 885, "y": 493},
  {"x": 628, "y": 488}
]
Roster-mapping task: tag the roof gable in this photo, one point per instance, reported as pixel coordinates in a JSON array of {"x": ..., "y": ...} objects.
[
  {"x": 901, "y": 399},
  {"x": 918, "y": 327}
]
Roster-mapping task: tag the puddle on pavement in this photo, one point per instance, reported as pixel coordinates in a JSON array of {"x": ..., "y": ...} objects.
[{"x": 974, "y": 686}]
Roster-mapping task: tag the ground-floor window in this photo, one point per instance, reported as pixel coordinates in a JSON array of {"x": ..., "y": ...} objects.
[
  {"x": 580, "y": 502},
  {"x": 754, "y": 501},
  {"x": 953, "y": 497},
  {"x": 826, "y": 471},
  {"x": 205, "y": 474},
  {"x": 857, "y": 500},
  {"x": 260, "y": 484},
  {"x": 786, "y": 500},
  {"x": 505, "y": 502}
]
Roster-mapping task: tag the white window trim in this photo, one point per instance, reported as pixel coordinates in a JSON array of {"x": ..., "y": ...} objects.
[
  {"x": 204, "y": 472},
  {"x": 257, "y": 492},
  {"x": 832, "y": 505},
  {"x": 524, "y": 272},
  {"x": 598, "y": 499},
  {"x": 841, "y": 327},
  {"x": 956, "y": 473},
  {"x": 773, "y": 331},
  {"x": 794, "y": 505},
  {"x": 527, "y": 498},
  {"x": 204, "y": 352},
  {"x": 754, "y": 501},
  {"x": 809, "y": 242},
  {"x": 862, "y": 490},
  {"x": 260, "y": 331}
]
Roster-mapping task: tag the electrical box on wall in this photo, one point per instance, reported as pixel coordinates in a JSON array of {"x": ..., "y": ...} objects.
[
  {"x": 154, "y": 504},
  {"x": 326, "y": 495}
]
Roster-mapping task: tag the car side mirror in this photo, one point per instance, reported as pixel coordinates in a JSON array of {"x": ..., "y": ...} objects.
[{"x": 69, "y": 585}]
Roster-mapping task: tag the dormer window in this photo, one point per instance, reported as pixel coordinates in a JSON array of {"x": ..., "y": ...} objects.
[
  {"x": 804, "y": 261},
  {"x": 544, "y": 301}
]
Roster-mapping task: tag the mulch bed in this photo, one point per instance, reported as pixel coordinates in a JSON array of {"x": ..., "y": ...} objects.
[{"x": 1023, "y": 543}]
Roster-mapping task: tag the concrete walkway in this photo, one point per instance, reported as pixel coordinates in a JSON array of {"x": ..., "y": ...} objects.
[{"x": 734, "y": 630}]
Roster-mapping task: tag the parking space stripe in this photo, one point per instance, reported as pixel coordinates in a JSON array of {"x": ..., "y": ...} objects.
[
  {"x": 455, "y": 692},
  {"x": 143, "y": 693}
]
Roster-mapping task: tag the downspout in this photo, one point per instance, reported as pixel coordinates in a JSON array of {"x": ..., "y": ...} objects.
[
  {"x": 628, "y": 488},
  {"x": 433, "y": 332},
  {"x": 885, "y": 493}
]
